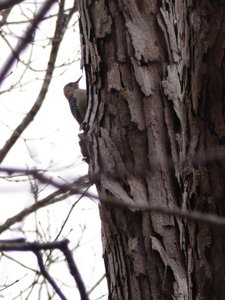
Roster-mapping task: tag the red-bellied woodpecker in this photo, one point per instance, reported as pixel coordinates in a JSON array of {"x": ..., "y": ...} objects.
[{"x": 77, "y": 100}]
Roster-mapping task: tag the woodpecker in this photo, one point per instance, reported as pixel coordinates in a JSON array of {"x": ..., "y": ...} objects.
[{"x": 77, "y": 100}]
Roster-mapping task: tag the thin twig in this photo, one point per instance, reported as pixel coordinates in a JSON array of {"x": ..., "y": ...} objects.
[
  {"x": 9, "y": 285},
  {"x": 47, "y": 275},
  {"x": 51, "y": 199},
  {"x": 96, "y": 284},
  {"x": 70, "y": 211}
]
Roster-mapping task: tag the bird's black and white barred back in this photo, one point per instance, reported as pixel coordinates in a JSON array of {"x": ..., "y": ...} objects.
[{"x": 77, "y": 99}]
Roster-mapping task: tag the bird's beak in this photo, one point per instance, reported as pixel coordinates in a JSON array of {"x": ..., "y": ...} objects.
[{"x": 78, "y": 79}]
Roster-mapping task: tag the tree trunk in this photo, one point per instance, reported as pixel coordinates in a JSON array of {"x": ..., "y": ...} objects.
[{"x": 155, "y": 74}]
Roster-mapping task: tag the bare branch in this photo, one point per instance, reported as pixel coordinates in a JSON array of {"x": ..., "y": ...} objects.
[
  {"x": 82, "y": 182},
  {"x": 9, "y": 3},
  {"x": 28, "y": 36},
  {"x": 190, "y": 215},
  {"x": 4, "y": 15},
  {"x": 207, "y": 218},
  {"x": 50, "y": 199},
  {"x": 53, "y": 198},
  {"x": 31, "y": 246},
  {"x": 74, "y": 272},
  {"x": 47, "y": 275},
  {"x": 36, "y": 247}
]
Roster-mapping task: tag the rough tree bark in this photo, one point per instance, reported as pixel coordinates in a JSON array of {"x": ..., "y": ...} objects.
[{"x": 155, "y": 73}]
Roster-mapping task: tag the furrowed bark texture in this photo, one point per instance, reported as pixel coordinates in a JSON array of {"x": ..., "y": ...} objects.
[{"x": 156, "y": 132}]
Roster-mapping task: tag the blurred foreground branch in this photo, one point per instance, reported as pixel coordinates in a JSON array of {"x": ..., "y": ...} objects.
[
  {"x": 207, "y": 218},
  {"x": 8, "y": 3}
]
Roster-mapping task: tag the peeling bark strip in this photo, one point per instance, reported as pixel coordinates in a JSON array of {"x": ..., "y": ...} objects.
[{"x": 156, "y": 109}]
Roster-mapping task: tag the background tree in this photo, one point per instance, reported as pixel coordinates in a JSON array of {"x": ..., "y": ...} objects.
[
  {"x": 155, "y": 73},
  {"x": 34, "y": 40}
]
